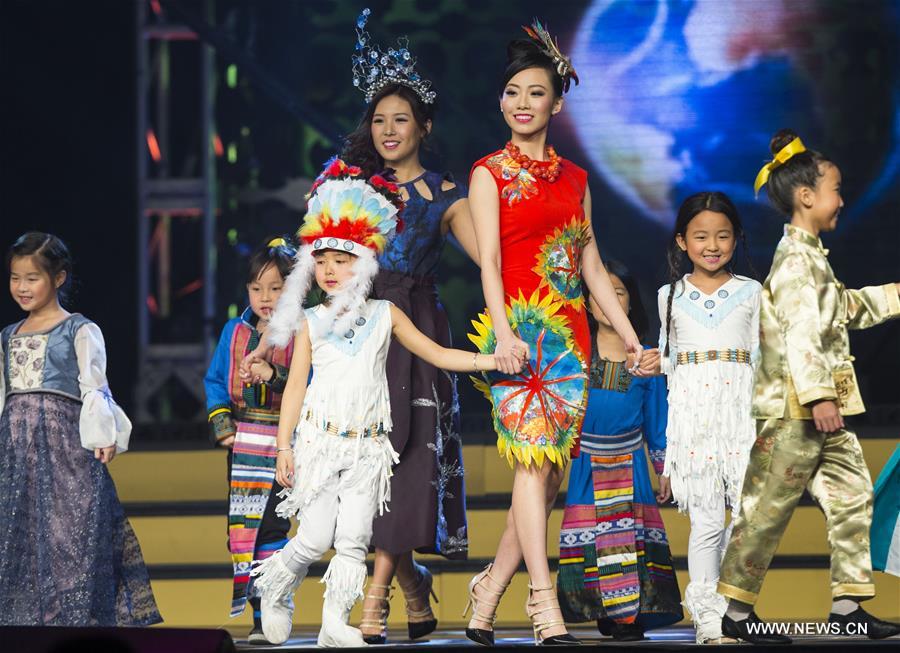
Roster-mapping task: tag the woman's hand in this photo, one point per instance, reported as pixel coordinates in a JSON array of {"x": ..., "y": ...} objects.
[
  {"x": 665, "y": 491},
  {"x": 284, "y": 468},
  {"x": 105, "y": 454},
  {"x": 650, "y": 365},
  {"x": 635, "y": 352},
  {"x": 511, "y": 353},
  {"x": 227, "y": 443}
]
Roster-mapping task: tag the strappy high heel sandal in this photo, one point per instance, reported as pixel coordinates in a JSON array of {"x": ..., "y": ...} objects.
[
  {"x": 535, "y": 607},
  {"x": 421, "y": 590},
  {"x": 377, "y": 617},
  {"x": 478, "y": 605}
]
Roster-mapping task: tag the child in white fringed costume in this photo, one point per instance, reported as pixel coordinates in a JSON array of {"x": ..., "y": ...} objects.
[
  {"x": 341, "y": 456},
  {"x": 709, "y": 341}
]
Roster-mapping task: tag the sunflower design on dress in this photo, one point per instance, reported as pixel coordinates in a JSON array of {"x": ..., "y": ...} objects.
[
  {"x": 522, "y": 184},
  {"x": 537, "y": 412},
  {"x": 559, "y": 262}
]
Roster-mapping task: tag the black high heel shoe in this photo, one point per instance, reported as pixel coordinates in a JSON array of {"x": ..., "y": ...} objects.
[
  {"x": 380, "y": 614},
  {"x": 539, "y": 625},
  {"x": 476, "y": 604},
  {"x": 421, "y": 591}
]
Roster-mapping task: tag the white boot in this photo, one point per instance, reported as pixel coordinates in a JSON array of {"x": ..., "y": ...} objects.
[
  {"x": 344, "y": 580},
  {"x": 275, "y": 584},
  {"x": 706, "y": 607},
  {"x": 336, "y": 631}
]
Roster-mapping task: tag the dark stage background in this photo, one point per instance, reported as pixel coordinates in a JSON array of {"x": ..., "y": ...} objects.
[{"x": 676, "y": 97}]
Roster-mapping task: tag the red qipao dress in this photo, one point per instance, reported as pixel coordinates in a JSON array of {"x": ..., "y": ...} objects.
[{"x": 538, "y": 413}]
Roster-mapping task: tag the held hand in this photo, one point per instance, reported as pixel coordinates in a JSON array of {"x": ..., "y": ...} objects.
[
  {"x": 255, "y": 356},
  {"x": 510, "y": 353},
  {"x": 827, "y": 417},
  {"x": 635, "y": 352},
  {"x": 105, "y": 454},
  {"x": 650, "y": 365},
  {"x": 227, "y": 443},
  {"x": 260, "y": 372},
  {"x": 665, "y": 490},
  {"x": 284, "y": 468}
]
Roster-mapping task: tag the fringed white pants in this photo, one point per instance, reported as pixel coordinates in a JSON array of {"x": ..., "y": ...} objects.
[{"x": 340, "y": 484}]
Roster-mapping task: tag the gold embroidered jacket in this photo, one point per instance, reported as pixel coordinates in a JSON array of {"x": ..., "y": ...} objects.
[{"x": 804, "y": 317}]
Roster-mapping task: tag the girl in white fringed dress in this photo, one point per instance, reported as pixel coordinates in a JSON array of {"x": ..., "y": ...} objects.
[{"x": 709, "y": 341}]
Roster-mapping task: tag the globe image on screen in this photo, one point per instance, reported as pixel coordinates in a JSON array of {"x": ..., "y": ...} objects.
[{"x": 678, "y": 97}]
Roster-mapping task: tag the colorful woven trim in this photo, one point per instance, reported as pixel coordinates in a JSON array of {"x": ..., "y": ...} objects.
[
  {"x": 611, "y": 445},
  {"x": 727, "y": 355},
  {"x": 255, "y": 415},
  {"x": 332, "y": 429}
]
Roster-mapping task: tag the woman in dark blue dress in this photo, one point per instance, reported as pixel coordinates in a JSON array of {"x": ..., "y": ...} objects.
[{"x": 427, "y": 509}]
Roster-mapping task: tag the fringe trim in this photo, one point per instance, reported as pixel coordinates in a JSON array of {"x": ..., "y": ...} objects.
[
  {"x": 710, "y": 433},
  {"x": 367, "y": 406},
  {"x": 271, "y": 576},
  {"x": 344, "y": 581},
  {"x": 320, "y": 457},
  {"x": 528, "y": 454}
]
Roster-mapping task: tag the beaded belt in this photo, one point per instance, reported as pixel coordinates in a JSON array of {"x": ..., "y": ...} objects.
[
  {"x": 332, "y": 429},
  {"x": 611, "y": 445},
  {"x": 727, "y": 355}
]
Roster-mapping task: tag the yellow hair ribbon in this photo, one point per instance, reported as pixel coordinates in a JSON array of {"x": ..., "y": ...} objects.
[
  {"x": 784, "y": 154},
  {"x": 277, "y": 242}
]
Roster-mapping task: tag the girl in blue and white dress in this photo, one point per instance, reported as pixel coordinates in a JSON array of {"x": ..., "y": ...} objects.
[
  {"x": 68, "y": 556},
  {"x": 708, "y": 343}
]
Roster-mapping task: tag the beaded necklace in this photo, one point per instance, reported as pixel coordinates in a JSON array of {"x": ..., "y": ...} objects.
[{"x": 547, "y": 170}]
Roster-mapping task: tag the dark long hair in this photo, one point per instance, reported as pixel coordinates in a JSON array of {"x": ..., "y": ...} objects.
[
  {"x": 690, "y": 207},
  {"x": 800, "y": 170},
  {"x": 51, "y": 255},
  {"x": 637, "y": 314},
  {"x": 359, "y": 148},
  {"x": 522, "y": 54}
]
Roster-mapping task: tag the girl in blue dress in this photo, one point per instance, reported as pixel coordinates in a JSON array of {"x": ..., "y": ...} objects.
[
  {"x": 68, "y": 555},
  {"x": 428, "y": 510},
  {"x": 615, "y": 566}
]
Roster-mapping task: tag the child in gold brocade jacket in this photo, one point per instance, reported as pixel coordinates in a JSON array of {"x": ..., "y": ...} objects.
[{"x": 805, "y": 384}]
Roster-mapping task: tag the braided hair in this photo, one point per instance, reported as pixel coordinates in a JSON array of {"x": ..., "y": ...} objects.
[{"x": 697, "y": 203}]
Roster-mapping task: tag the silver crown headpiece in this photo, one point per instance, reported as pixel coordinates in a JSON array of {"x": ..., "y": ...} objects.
[{"x": 373, "y": 69}]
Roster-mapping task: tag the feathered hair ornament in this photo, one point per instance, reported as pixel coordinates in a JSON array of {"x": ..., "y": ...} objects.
[
  {"x": 348, "y": 213},
  {"x": 548, "y": 45}
]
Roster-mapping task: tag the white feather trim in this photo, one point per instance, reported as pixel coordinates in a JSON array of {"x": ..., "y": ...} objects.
[
  {"x": 288, "y": 316},
  {"x": 347, "y": 304}
]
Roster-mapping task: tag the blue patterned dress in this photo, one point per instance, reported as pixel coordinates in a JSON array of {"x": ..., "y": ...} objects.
[
  {"x": 428, "y": 506},
  {"x": 68, "y": 555},
  {"x": 614, "y": 557}
]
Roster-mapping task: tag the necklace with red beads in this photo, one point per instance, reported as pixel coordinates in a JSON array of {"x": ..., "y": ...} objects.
[{"x": 547, "y": 170}]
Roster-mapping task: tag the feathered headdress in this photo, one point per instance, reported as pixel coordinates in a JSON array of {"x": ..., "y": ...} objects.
[
  {"x": 373, "y": 69},
  {"x": 550, "y": 47},
  {"x": 348, "y": 213}
]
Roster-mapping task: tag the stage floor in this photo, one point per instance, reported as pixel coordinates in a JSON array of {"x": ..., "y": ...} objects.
[{"x": 664, "y": 639}]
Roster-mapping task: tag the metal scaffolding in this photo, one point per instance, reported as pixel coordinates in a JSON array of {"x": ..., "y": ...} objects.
[{"x": 175, "y": 209}]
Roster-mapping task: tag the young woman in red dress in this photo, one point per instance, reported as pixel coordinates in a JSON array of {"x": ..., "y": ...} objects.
[{"x": 531, "y": 210}]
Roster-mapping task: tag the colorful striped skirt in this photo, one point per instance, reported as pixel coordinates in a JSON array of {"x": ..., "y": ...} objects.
[
  {"x": 252, "y": 478},
  {"x": 614, "y": 557}
]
